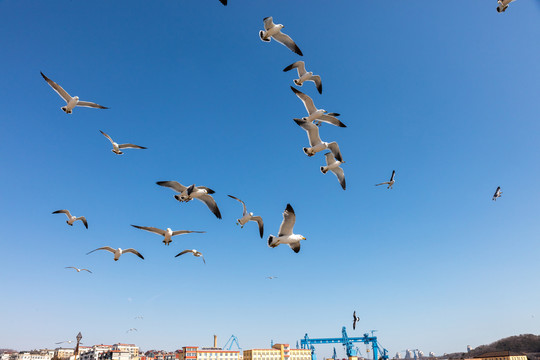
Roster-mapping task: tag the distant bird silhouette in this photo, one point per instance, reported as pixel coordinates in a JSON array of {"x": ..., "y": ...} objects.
[
  {"x": 78, "y": 270},
  {"x": 389, "y": 183},
  {"x": 498, "y": 194},
  {"x": 194, "y": 252},
  {"x": 355, "y": 320},
  {"x": 71, "y": 218},
  {"x": 118, "y": 252}
]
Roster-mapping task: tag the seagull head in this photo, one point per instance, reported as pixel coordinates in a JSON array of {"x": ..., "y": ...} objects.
[{"x": 76, "y": 98}]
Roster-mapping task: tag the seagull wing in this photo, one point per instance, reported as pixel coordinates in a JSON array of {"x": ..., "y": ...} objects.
[
  {"x": 331, "y": 120},
  {"x": 86, "y": 270},
  {"x": 83, "y": 219},
  {"x": 341, "y": 176},
  {"x": 312, "y": 131},
  {"x": 243, "y": 204},
  {"x": 184, "y": 252},
  {"x": 308, "y": 102},
  {"x": 224, "y": 2},
  {"x": 71, "y": 267},
  {"x": 181, "y": 232},
  {"x": 259, "y": 221},
  {"x": 91, "y": 105},
  {"x": 63, "y": 93},
  {"x": 150, "y": 229},
  {"x": 334, "y": 148},
  {"x": 393, "y": 174},
  {"x": 108, "y": 248},
  {"x": 288, "y": 42},
  {"x": 383, "y": 183},
  {"x": 175, "y": 185},
  {"x": 318, "y": 82},
  {"x": 68, "y": 214},
  {"x": 130, "y": 146},
  {"x": 300, "y": 67},
  {"x": 287, "y": 225},
  {"x": 295, "y": 246},
  {"x": 107, "y": 136},
  {"x": 133, "y": 251},
  {"x": 268, "y": 23},
  {"x": 204, "y": 261},
  {"x": 211, "y": 203}
]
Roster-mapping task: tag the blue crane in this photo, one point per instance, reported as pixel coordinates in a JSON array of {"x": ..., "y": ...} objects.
[
  {"x": 347, "y": 342},
  {"x": 233, "y": 339}
]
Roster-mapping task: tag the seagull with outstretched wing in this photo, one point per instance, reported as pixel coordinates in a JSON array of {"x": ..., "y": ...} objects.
[
  {"x": 333, "y": 165},
  {"x": 71, "y": 101},
  {"x": 71, "y": 218},
  {"x": 194, "y": 252},
  {"x": 246, "y": 217},
  {"x": 304, "y": 75},
  {"x": 78, "y": 270},
  {"x": 285, "y": 235},
  {"x": 273, "y": 31},
  {"x": 315, "y": 141},
  {"x": 318, "y": 115},
  {"x": 116, "y": 147},
  {"x": 389, "y": 183},
  {"x": 118, "y": 252},
  {"x": 168, "y": 233},
  {"x": 498, "y": 194},
  {"x": 201, "y": 193}
]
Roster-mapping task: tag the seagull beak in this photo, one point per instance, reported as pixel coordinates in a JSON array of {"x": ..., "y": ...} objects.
[{"x": 303, "y": 238}]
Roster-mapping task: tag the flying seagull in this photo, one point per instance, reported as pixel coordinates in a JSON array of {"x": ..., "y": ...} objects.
[
  {"x": 355, "y": 320},
  {"x": 71, "y": 101},
  {"x": 319, "y": 115},
  {"x": 285, "y": 235},
  {"x": 333, "y": 165},
  {"x": 272, "y": 30},
  {"x": 78, "y": 270},
  {"x": 167, "y": 234},
  {"x": 315, "y": 140},
  {"x": 498, "y": 194},
  {"x": 503, "y": 5},
  {"x": 389, "y": 183},
  {"x": 300, "y": 66},
  {"x": 246, "y": 217},
  {"x": 132, "y": 329},
  {"x": 139, "y": 317},
  {"x": 118, "y": 252},
  {"x": 194, "y": 252},
  {"x": 67, "y": 341},
  {"x": 271, "y": 277},
  {"x": 71, "y": 218},
  {"x": 116, "y": 147},
  {"x": 224, "y": 2},
  {"x": 193, "y": 192}
]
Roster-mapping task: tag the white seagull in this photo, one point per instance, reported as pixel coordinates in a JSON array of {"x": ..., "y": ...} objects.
[
  {"x": 389, "y": 183},
  {"x": 138, "y": 317},
  {"x": 272, "y": 30},
  {"x": 246, "y": 217},
  {"x": 315, "y": 140},
  {"x": 78, "y": 270},
  {"x": 116, "y": 147},
  {"x": 71, "y": 218},
  {"x": 194, "y": 252},
  {"x": 355, "y": 320},
  {"x": 132, "y": 329},
  {"x": 498, "y": 194},
  {"x": 333, "y": 165},
  {"x": 71, "y": 101},
  {"x": 193, "y": 192},
  {"x": 285, "y": 235},
  {"x": 271, "y": 277},
  {"x": 503, "y": 5},
  {"x": 167, "y": 234},
  {"x": 67, "y": 341},
  {"x": 118, "y": 252},
  {"x": 319, "y": 115},
  {"x": 304, "y": 75}
]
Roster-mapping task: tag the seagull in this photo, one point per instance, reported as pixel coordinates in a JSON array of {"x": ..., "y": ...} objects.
[
  {"x": 193, "y": 192},
  {"x": 315, "y": 140},
  {"x": 355, "y": 320},
  {"x": 498, "y": 194},
  {"x": 333, "y": 165},
  {"x": 78, "y": 270},
  {"x": 272, "y": 30},
  {"x": 320, "y": 115},
  {"x": 71, "y": 218},
  {"x": 116, "y": 148},
  {"x": 132, "y": 329},
  {"x": 224, "y": 2},
  {"x": 167, "y": 234},
  {"x": 71, "y": 101},
  {"x": 67, "y": 341},
  {"x": 118, "y": 252},
  {"x": 246, "y": 217},
  {"x": 285, "y": 235},
  {"x": 139, "y": 317},
  {"x": 271, "y": 277},
  {"x": 304, "y": 75},
  {"x": 389, "y": 183},
  {"x": 194, "y": 252},
  {"x": 503, "y": 5}
]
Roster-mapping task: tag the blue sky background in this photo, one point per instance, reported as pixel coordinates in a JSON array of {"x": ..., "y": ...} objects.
[{"x": 445, "y": 93}]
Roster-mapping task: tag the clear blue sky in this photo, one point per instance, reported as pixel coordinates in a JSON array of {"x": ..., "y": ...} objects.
[{"x": 445, "y": 93}]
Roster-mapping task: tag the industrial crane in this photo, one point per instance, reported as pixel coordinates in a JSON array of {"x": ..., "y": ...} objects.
[
  {"x": 307, "y": 343},
  {"x": 233, "y": 339}
]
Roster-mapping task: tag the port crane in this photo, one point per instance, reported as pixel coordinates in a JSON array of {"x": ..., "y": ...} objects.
[
  {"x": 347, "y": 342},
  {"x": 233, "y": 339}
]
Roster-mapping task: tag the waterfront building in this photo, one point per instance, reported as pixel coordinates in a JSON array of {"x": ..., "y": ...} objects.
[
  {"x": 501, "y": 355},
  {"x": 278, "y": 352}
]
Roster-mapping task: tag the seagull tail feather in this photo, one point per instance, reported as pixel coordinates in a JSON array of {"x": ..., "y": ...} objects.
[
  {"x": 271, "y": 242},
  {"x": 323, "y": 171},
  {"x": 261, "y": 35}
]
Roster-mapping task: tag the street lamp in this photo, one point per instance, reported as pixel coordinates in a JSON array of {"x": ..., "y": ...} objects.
[{"x": 79, "y": 337}]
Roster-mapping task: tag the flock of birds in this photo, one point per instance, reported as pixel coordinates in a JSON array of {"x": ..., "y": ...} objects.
[{"x": 184, "y": 194}]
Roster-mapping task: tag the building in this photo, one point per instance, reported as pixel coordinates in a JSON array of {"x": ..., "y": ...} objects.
[
  {"x": 214, "y": 353},
  {"x": 278, "y": 352},
  {"x": 115, "y": 355},
  {"x": 502, "y": 355},
  {"x": 92, "y": 353},
  {"x": 25, "y": 355},
  {"x": 63, "y": 353},
  {"x": 129, "y": 348}
]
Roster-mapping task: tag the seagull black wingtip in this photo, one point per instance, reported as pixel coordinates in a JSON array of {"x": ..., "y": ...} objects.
[{"x": 289, "y": 208}]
